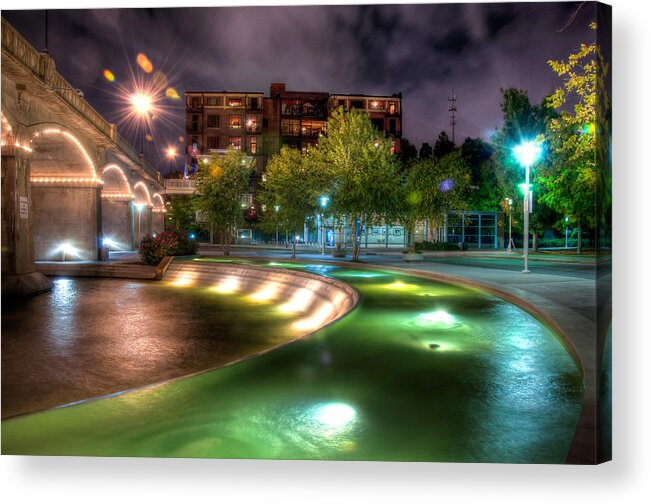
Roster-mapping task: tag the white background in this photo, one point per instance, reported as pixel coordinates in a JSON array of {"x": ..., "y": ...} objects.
[{"x": 626, "y": 480}]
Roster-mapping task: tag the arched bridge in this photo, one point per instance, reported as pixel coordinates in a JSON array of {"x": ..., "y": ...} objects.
[{"x": 70, "y": 182}]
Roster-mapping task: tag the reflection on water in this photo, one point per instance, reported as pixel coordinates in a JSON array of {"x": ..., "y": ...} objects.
[{"x": 421, "y": 370}]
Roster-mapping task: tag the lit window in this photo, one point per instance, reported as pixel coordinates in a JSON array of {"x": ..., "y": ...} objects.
[
  {"x": 235, "y": 121},
  {"x": 235, "y": 102},
  {"x": 235, "y": 143},
  {"x": 253, "y": 145}
]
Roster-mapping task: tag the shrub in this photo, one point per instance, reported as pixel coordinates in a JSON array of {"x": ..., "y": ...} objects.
[
  {"x": 426, "y": 245},
  {"x": 169, "y": 243}
]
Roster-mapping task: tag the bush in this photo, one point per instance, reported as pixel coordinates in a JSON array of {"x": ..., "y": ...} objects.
[
  {"x": 169, "y": 243},
  {"x": 426, "y": 245}
]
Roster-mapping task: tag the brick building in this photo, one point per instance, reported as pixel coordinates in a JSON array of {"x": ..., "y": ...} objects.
[{"x": 259, "y": 125}]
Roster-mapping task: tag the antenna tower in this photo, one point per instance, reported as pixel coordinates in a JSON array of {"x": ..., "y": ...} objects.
[{"x": 453, "y": 110}]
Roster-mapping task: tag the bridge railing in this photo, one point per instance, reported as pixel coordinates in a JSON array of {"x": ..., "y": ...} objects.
[
  {"x": 42, "y": 66},
  {"x": 187, "y": 184}
]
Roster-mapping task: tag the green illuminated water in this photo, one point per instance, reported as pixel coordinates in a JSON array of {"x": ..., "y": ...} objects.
[{"x": 421, "y": 371}]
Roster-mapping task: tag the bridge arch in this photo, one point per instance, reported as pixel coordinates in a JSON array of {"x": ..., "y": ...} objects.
[
  {"x": 117, "y": 208},
  {"x": 143, "y": 209},
  {"x": 66, "y": 188},
  {"x": 59, "y": 156},
  {"x": 115, "y": 183}
]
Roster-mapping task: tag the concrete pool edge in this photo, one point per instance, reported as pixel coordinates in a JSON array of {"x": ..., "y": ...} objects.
[
  {"x": 354, "y": 297},
  {"x": 583, "y": 447}
]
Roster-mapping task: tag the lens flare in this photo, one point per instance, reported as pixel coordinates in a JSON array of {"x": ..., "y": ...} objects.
[
  {"x": 149, "y": 138},
  {"x": 172, "y": 93},
  {"x": 108, "y": 75},
  {"x": 144, "y": 63}
]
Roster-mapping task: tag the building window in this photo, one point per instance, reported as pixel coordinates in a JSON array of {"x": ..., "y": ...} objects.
[
  {"x": 235, "y": 143},
  {"x": 312, "y": 128},
  {"x": 252, "y": 124},
  {"x": 213, "y": 142},
  {"x": 341, "y": 103},
  {"x": 235, "y": 121},
  {"x": 253, "y": 145},
  {"x": 253, "y": 103},
  {"x": 195, "y": 102},
  {"x": 392, "y": 126},
  {"x": 213, "y": 121},
  {"x": 378, "y": 123},
  {"x": 291, "y": 127},
  {"x": 215, "y": 101},
  {"x": 377, "y": 104},
  {"x": 290, "y": 107},
  {"x": 357, "y": 104},
  {"x": 392, "y": 108},
  {"x": 265, "y": 122},
  {"x": 235, "y": 102}
]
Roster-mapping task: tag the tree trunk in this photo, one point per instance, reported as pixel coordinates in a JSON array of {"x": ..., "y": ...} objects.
[
  {"x": 356, "y": 238},
  {"x": 534, "y": 245},
  {"x": 294, "y": 247},
  {"x": 579, "y": 244}
]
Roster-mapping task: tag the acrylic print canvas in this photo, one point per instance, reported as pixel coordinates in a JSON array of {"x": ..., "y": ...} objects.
[{"x": 376, "y": 232}]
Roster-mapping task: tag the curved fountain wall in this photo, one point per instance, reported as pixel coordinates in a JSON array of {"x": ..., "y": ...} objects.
[{"x": 316, "y": 300}]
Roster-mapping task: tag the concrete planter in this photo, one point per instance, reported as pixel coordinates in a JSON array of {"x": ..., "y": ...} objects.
[
  {"x": 339, "y": 253},
  {"x": 412, "y": 257}
]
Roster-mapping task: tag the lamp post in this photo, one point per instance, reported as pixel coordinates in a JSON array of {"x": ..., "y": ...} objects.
[
  {"x": 510, "y": 247},
  {"x": 324, "y": 204},
  {"x": 276, "y": 208},
  {"x": 527, "y": 154},
  {"x": 567, "y": 227}
]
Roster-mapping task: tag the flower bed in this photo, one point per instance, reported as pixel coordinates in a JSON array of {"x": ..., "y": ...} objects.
[{"x": 169, "y": 243}]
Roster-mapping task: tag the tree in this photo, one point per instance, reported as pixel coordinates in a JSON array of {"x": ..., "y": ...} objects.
[
  {"x": 425, "y": 151},
  {"x": 182, "y": 212},
  {"x": 443, "y": 146},
  {"x": 362, "y": 172},
  {"x": 484, "y": 191},
  {"x": 574, "y": 175},
  {"x": 408, "y": 153},
  {"x": 432, "y": 188},
  {"x": 221, "y": 184},
  {"x": 291, "y": 191},
  {"x": 522, "y": 122}
]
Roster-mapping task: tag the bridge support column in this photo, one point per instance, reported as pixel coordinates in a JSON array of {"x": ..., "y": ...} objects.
[
  {"x": 19, "y": 275},
  {"x": 157, "y": 222},
  {"x": 117, "y": 222},
  {"x": 66, "y": 214}
]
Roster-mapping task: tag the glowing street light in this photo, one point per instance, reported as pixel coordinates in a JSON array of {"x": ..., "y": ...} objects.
[
  {"x": 511, "y": 244},
  {"x": 527, "y": 154},
  {"x": 142, "y": 105},
  {"x": 324, "y": 203},
  {"x": 170, "y": 153}
]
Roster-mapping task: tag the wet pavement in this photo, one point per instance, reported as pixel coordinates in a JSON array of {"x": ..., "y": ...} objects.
[{"x": 91, "y": 337}]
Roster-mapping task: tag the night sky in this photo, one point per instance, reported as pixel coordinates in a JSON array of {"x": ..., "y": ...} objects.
[{"x": 423, "y": 51}]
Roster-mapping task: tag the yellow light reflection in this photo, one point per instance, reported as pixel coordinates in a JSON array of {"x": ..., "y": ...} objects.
[
  {"x": 316, "y": 320},
  {"x": 299, "y": 301},
  {"x": 184, "y": 280},
  {"x": 230, "y": 284},
  {"x": 268, "y": 292},
  {"x": 108, "y": 75}
]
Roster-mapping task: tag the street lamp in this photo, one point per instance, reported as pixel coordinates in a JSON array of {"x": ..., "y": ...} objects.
[
  {"x": 511, "y": 244},
  {"x": 324, "y": 204},
  {"x": 527, "y": 154},
  {"x": 276, "y": 208},
  {"x": 567, "y": 227},
  {"x": 142, "y": 104},
  {"x": 170, "y": 153}
]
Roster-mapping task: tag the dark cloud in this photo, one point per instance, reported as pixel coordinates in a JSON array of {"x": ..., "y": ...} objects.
[{"x": 423, "y": 51}]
